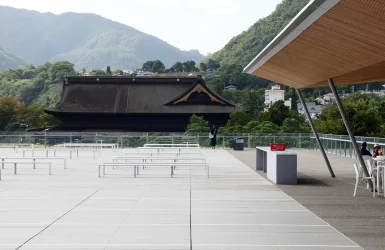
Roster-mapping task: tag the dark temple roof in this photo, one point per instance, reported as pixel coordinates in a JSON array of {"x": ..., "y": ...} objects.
[{"x": 139, "y": 95}]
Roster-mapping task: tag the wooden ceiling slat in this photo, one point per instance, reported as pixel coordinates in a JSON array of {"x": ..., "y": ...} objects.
[{"x": 370, "y": 7}]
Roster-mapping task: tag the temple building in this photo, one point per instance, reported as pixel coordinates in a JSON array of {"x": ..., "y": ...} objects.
[{"x": 141, "y": 104}]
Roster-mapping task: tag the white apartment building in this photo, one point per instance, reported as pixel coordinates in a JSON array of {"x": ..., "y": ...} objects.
[{"x": 274, "y": 94}]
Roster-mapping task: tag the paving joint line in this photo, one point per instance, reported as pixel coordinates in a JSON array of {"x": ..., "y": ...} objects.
[
  {"x": 56, "y": 220},
  {"x": 120, "y": 225}
]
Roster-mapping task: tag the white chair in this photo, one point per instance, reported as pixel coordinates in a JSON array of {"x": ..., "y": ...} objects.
[
  {"x": 373, "y": 172},
  {"x": 360, "y": 177}
]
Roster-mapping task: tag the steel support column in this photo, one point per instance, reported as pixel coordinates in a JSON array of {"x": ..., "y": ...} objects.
[
  {"x": 348, "y": 128},
  {"x": 315, "y": 133}
]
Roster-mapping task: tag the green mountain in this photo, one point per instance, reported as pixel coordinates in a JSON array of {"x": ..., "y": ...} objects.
[
  {"x": 87, "y": 40},
  {"x": 244, "y": 47},
  {"x": 8, "y": 60}
]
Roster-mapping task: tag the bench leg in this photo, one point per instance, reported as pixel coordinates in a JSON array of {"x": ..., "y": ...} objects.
[
  {"x": 2, "y": 163},
  {"x": 172, "y": 171},
  {"x": 34, "y": 163},
  {"x": 15, "y": 166}
]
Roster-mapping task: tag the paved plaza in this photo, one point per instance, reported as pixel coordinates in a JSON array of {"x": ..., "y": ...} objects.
[
  {"x": 361, "y": 218},
  {"x": 235, "y": 208}
]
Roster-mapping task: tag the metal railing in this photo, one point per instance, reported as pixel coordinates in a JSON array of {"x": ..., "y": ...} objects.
[
  {"x": 333, "y": 144},
  {"x": 48, "y": 139}
]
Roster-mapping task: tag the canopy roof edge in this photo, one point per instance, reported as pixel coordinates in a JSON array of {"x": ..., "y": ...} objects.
[{"x": 306, "y": 17}]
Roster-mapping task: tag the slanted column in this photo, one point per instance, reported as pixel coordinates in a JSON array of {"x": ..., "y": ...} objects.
[
  {"x": 315, "y": 133},
  {"x": 348, "y": 128}
]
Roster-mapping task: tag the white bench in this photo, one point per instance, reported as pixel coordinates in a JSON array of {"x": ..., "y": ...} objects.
[
  {"x": 34, "y": 159},
  {"x": 55, "y": 150},
  {"x": 159, "y": 159},
  {"x": 21, "y": 162},
  {"x": 165, "y": 145},
  {"x": 113, "y": 146},
  {"x": 136, "y": 165},
  {"x": 163, "y": 153},
  {"x": 16, "y": 146},
  {"x": 168, "y": 149}
]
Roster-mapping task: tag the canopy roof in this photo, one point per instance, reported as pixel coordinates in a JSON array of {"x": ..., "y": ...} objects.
[{"x": 339, "y": 39}]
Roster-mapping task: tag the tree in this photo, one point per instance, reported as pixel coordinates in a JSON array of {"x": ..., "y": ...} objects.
[
  {"x": 292, "y": 125},
  {"x": 253, "y": 101},
  {"x": 266, "y": 127},
  {"x": 118, "y": 72},
  {"x": 9, "y": 108},
  {"x": 178, "y": 67},
  {"x": 158, "y": 67},
  {"x": 147, "y": 66},
  {"x": 84, "y": 70},
  {"x": 213, "y": 65},
  {"x": 12, "y": 75},
  {"x": 59, "y": 70},
  {"x": 189, "y": 66},
  {"x": 362, "y": 114},
  {"x": 276, "y": 113},
  {"x": 108, "y": 70},
  {"x": 250, "y": 126},
  {"x": 29, "y": 72},
  {"x": 197, "y": 124},
  {"x": 238, "y": 118},
  {"x": 217, "y": 87},
  {"x": 203, "y": 66},
  {"x": 294, "y": 100}
]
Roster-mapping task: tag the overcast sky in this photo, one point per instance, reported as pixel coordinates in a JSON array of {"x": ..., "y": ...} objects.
[{"x": 206, "y": 25}]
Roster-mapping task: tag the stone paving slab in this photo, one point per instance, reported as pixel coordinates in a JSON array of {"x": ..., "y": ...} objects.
[{"x": 235, "y": 208}]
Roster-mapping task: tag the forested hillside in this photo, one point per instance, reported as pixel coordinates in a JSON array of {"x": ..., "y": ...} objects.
[
  {"x": 8, "y": 60},
  {"x": 244, "y": 47},
  {"x": 86, "y": 40},
  {"x": 36, "y": 84}
]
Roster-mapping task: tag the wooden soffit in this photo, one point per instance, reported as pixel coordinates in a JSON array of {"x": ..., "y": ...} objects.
[{"x": 345, "y": 42}]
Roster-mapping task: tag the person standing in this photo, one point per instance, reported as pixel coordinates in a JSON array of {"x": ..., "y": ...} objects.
[{"x": 213, "y": 137}]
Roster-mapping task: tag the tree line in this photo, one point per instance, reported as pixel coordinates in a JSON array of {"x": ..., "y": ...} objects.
[
  {"x": 364, "y": 112},
  {"x": 188, "y": 66}
]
